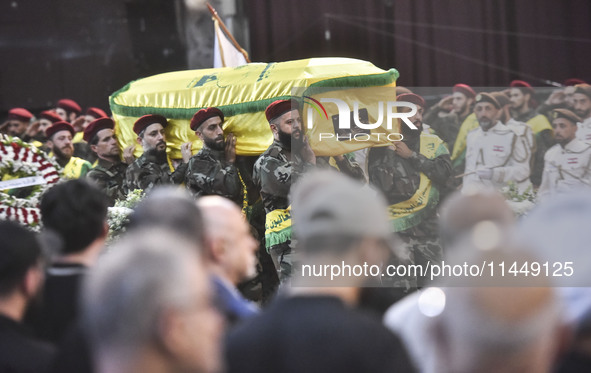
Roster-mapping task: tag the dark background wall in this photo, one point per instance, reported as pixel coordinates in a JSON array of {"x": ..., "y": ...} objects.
[
  {"x": 433, "y": 42},
  {"x": 82, "y": 49},
  {"x": 87, "y": 49}
]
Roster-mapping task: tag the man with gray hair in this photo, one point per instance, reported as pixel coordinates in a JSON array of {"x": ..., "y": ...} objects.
[
  {"x": 147, "y": 308},
  {"x": 229, "y": 255},
  {"x": 316, "y": 328},
  {"x": 458, "y": 217}
]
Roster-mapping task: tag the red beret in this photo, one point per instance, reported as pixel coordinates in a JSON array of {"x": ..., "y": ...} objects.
[
  {"x": 203, "y": 115},
  {"x": 487, "y": 97},
  {"x": 464, "y": 89},
  {"x": 567, "y": 114},
  {"x": 96, "y": 112},
  {"x": 69, "y": 105},
  {"x": 411, "y": 97},
  {"x": 584, "y": 89},
  {"x": 522, "y": 84},
  {"x": 145, "y": 121},
  {"x": 572, "y": 81},
  {"x": 280, "y": 107},
  {"x": 57, "y": 127},
  {"x": 20, "y": 114},
  {"x": 96, "y": 125},
  {"x": 50, "y": 116}
]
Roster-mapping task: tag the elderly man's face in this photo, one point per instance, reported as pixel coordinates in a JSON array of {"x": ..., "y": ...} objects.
[{"x": 487, "y": 114}]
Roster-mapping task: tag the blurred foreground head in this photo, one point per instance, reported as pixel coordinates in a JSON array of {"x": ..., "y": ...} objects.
[
  {"x": 557, "y": 231},
  {"x": 147, "y": 307},
  {"x": 335, "y": 219},
  {"x": 462, "y": 215},
  {"x": 172, "y": 208},
  {"x": 498, "y": 324}
]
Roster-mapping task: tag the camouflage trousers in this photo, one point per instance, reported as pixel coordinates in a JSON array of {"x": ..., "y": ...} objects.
[
  {"x": 282, "y": 256},
  {"x": 420, "y": 251}
]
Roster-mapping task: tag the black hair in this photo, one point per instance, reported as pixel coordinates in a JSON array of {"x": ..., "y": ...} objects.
[
  {"x": 76, "y": 211},
  {"x": 19, "y": 251}
]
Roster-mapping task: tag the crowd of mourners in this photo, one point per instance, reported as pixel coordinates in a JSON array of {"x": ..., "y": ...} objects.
[{"x": 208, "y": 274}]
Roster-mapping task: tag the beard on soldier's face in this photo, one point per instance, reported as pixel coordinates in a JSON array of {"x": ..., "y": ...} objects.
[
  {"x": 60, "y": 154},
  {"x": 284, "y": 138},
  {"x": 215, "y": 144},
  {"x": 411, "y": 134}
]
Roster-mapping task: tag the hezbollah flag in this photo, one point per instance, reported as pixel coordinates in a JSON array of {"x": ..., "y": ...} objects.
[{"x": 244, "y": 92}]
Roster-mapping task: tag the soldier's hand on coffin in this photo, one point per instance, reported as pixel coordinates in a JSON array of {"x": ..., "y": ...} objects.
[
  {"x": 231, "y": 148},
  {"x": 186, "y": 151},
  {"x": 306, "y": 151},
  {"x": 128, "y": 154},
  {"x": 403, "y": 150}
]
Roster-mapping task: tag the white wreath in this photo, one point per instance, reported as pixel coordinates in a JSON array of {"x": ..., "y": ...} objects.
[{"x": 18, "y": 158}]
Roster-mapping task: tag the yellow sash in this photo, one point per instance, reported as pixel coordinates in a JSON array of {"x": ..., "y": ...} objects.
[
  {"x": 407, "y": 214},
  {"x": 278, "y": 227}
]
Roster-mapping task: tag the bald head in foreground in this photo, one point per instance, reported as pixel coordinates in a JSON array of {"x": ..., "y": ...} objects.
[{"x": 229, "y": 255}]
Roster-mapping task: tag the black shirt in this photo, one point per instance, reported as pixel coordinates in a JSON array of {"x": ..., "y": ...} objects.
[
  {"x": 19, "y": 352},
  {"x": 314, "y": 334}
]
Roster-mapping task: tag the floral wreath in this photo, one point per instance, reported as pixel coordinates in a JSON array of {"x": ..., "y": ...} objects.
[{"x": 20, "y": 159}]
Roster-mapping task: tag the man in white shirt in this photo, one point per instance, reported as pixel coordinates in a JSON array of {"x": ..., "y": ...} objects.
[
  {"x": 566, "y": 163},
  {"x": 494, "y": 156}
]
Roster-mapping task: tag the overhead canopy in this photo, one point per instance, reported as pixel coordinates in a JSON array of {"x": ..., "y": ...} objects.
[{"x": 243, "y": 93}]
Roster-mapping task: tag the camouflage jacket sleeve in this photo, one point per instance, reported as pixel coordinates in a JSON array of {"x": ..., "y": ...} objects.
[
  {"x": 145, "y": 176},
  {"x": 275, "y": 176},
  {"x": 112, "y": 184},
  {"x": 178, "y": 175},
  {"x": 213, "y": 177},
  {"x": 438, "y": 169},
  {"x": 351, "y": 169}
]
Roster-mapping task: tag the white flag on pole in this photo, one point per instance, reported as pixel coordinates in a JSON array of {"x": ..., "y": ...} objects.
[{"x": 225, "y": 53}]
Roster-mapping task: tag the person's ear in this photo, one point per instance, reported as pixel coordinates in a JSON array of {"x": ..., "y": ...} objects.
[
  {"x": 93, "y": 148},
  {"x": 199, "y": 134},
  {"x": 32, "y": 281},
  {"x": 274, "y": 128},
  {"x": 139, "y": 140}
]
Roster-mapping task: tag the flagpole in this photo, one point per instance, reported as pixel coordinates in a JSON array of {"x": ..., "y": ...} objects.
[{"x": 215, "y": 15}]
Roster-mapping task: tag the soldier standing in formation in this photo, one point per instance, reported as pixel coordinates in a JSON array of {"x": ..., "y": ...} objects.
[
  {"x": 567, "y": 164},
  {"x": 212, "y": 171},
  {"x": 109, "y": 173}
]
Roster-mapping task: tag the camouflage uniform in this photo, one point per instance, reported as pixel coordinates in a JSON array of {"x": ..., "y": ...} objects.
[
  {"x": 150, "y": 170},
  {"x": 398, "y": 179},
  {"x": 110, "y": 178},
  {"x": 208, "y": 173},
  {"x": 274, "y": 173},
  {"x": 346, "y": 166}
]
